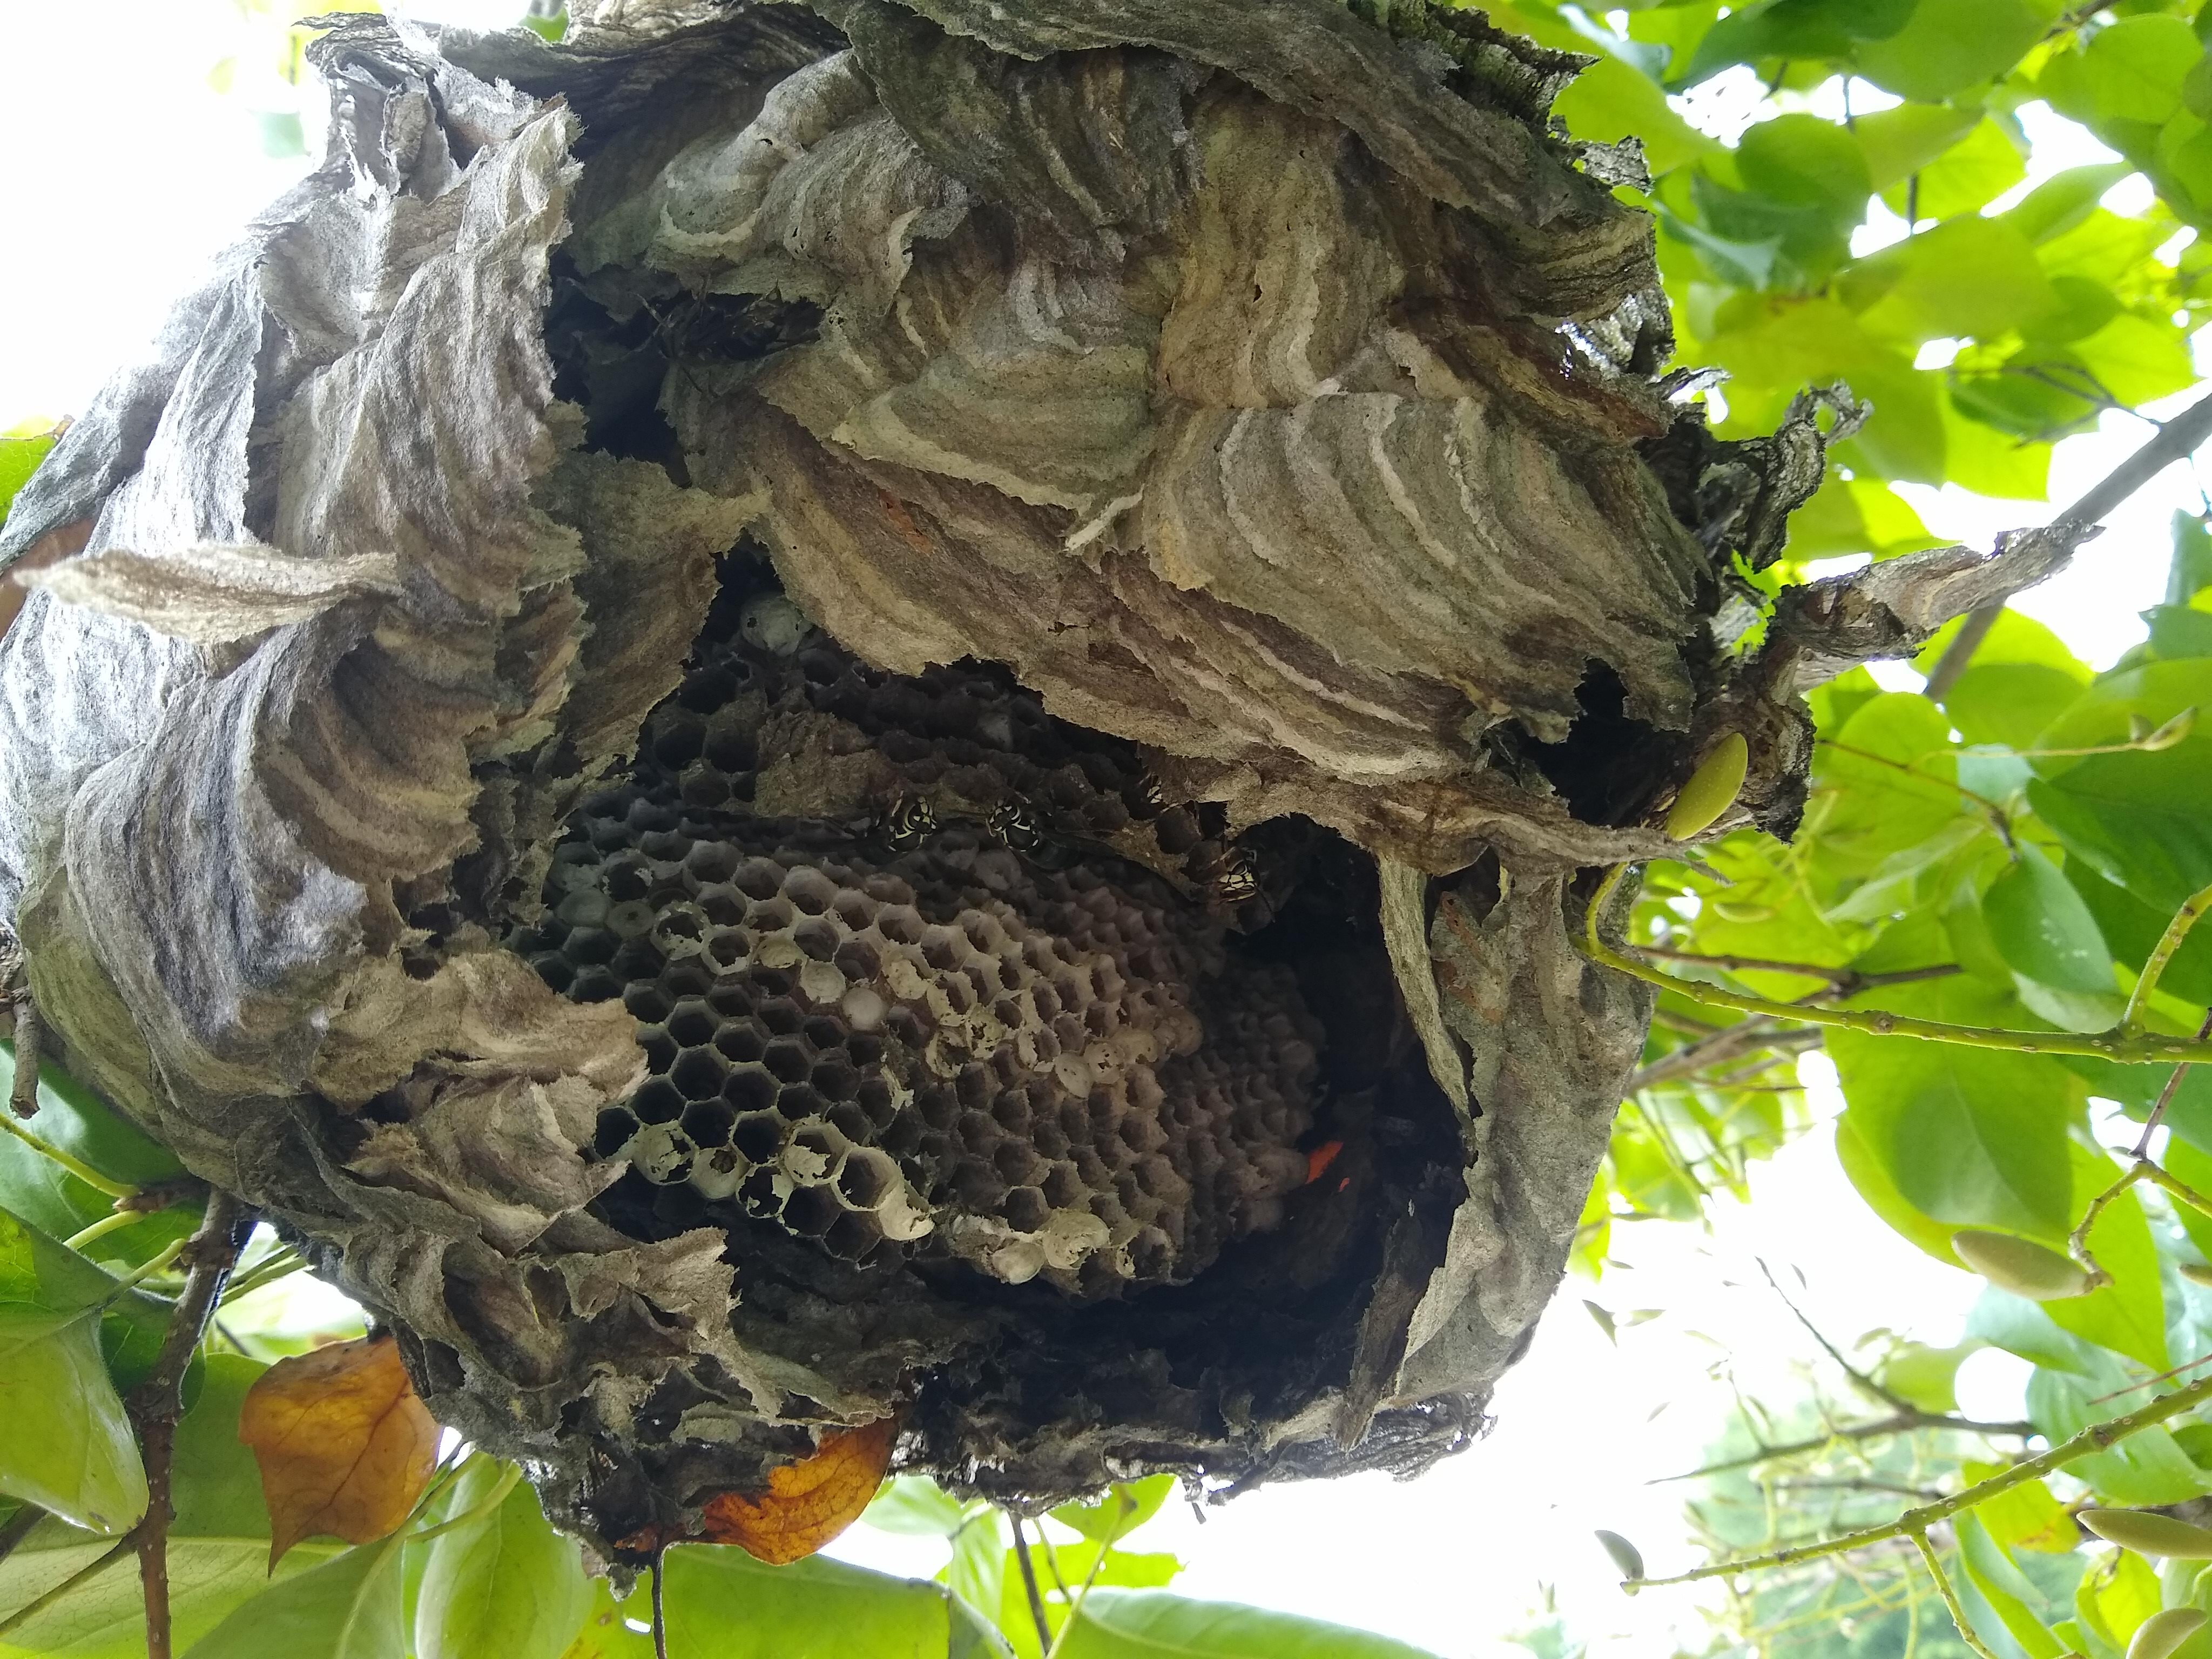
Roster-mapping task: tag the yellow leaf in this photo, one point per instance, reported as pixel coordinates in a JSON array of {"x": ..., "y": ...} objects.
[
  {"x": 344, "y": 1446},
  {"x": 808, "y": 1502}
]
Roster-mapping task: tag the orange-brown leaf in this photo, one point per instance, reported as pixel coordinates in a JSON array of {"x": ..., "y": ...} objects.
[
  {"x": 344, "y": 1446},
  {"x": 808, "y": 1502}
]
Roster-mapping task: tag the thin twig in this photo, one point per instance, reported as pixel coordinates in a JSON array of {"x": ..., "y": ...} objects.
[
  {"x": 23, "y": 1093},
  {"x": 1029, "y": 1584},
  {"x": 2139, "y": 1047},
  {"x": 659, "y": 1608},
  {"x": 2170, "y": 941},
  {"x": 1075, "y": 1604},
  {"x": 75, "y": 1166},
  {"x": 2097, "y": 1436},
  {"x": 19, "y": 1528},
  {"x": 155, "y": 1404},
  {"x": 1919, "y": 1536},
  {"x": 2176, "y": 440},
  {"x": 32, "y": 1608},
  {"x": 2165, "y": 1095},
  {"x": 1866, "y": 1384},
  {"x": 1905, "y": 1422}
]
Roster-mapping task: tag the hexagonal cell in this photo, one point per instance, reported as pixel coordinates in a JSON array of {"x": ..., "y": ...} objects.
[
  {"x": 656, "y": 1101},
  {"x": 797, "y": 1102},
  {"x": 662, "y": 1153},
  {"x": 716, "y": 1172},
  {"x": 782, "y": 1017},
  {"x": 688, "y": 977},
  {"x": 848, "y": 1120},
  {"x": 867, "y": 1178},
  {"x": 660, "y": 1048},
  {"x": 822, "y": 984},
  {"x": 809, "y": 890},
  {"x": 708, "y": 1122},
  {"x": 699, "y": 1073},
  {"x": 757, "y": 878},
  {"x": 741, "y": 1041},
  {"x": 759, "y": 1135},
  {"x": 692, "y": 1022},
  {"x": 1025, "y": 1210},
  {"x": 810, "y": 1212},
  {"x": 723, "y": 906},
  {"x": 750, "y": 1088},
  {"x": 787, "y": 1060},
  {"x": 595, "y": 985},
  {"x": 613, "y": 1131}
]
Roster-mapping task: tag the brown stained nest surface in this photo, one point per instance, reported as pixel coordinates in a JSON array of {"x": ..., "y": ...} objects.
[{"x": 791, "y": 716}]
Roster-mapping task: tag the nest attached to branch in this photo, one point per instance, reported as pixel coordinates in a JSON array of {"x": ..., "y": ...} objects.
[{"x": 788, "y": 716}]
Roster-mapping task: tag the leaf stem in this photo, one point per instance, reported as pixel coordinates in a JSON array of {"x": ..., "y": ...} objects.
[
  {"x": 38, "y": 1604},
  {"x": 2097, "y": 1436},
  {"x": 2140, "y": 1047},
  {"x": 75, "y": 1166},
  {"x": 1904, "y": 1422},
  {"x": 1974, "y": 1643},
  {"x": 2165, "y": 1095},
  {"x": 100, "y": 1228},
  {"x": 2169, "y": 942},
  {"x": 491, "y": 1501},
  {"x": 659, "y": 1605},
  {"x": 155, "y": 1404},
  {"x": 20, "y": 1526},
  {"x": 1029, "y": 1583},
  {"x": 2077, "y": 1242}
]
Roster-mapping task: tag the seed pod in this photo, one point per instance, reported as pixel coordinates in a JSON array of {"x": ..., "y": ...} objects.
[
  {"x": 2019, "y": 1266},
  {"x": 1625, "y": 1556},
  {"x": 2170, "y": 733},
  {"x": 2148, "y": 1533},
  {"x": 1712, "y": 788},
  {"x": 2197, "y": 1272},
  {"x": 2162, "y": 1632}
]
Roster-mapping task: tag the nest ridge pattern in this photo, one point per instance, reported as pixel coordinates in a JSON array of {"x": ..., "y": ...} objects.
[{"x": 900, "y": 986}]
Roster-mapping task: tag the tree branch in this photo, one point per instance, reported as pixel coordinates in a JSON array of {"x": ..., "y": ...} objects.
[
  {"x": 2097, "y": 1436},
  {"x": 155, "y": 1404},
  {"x": 2176, "y": 440},
  {"x": 2165, "y": 1095},
  {"x": 23, "y": 1093},
  {"x": 1029, "y": 1583},
  {"x": 2126, "y": 1048},
  {"x": 2169, "y": 942},
  {"x": 1904, "y": 1422},
  {"x": 1919, "y": 1536},
  {"x": 1866, "y": 1383}
]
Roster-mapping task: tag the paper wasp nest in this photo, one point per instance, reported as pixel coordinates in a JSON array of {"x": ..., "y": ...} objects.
[{"x": 793, "y": 715}]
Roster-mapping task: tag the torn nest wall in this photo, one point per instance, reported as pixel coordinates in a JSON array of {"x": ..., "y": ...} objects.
[{"x": 787, "y": 717}]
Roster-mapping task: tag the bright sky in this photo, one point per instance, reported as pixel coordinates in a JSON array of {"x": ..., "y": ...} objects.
[{"x": 107, "y": 230}]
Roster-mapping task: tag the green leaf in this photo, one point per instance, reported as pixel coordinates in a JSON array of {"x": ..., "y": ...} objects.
[
  {"x": 1981, "y": 167},
  {"x": 1155, "y": 1625},
  {"x": 2045, "y": 931},
  {"x": 1886, "y": 785},
  {"x": 2025, "y": 1517},
  {"x": 1966, "y": 1137},
  {"x": 1795, "y": 30},
  {"x": 916, "y": 1506},
  {"x": 1870, "y": 1178},
  {"x": 2008, "y": 702},
  {"x": 2063, "y": 201},
  {"x": 2140, "y": 817},
  {"x": 977, "y": 1571},
  {"x": 1924, "y": 1375},
  {"x": 1901, "y": 141},
  {"x": 1968, "y": 277},
  {"x": 69, "y": 1447},
  {"x": 19, "y": 458},
  {"x": 2129, "y": 75},
  {"x": 1950, "y": 45},
  {"x": 505, "y": 1583},
  {"x": 349, "y": 1607},
  {"x": 1856, "y": 515},
  {"x": 1120, "y": 1512},
  {"x": 2146, "y": 1469},
  {"x": 2191, "y": 570},
  {"x": 2114, "y": 1600},
  {"x": 1610, "y": 100},
  {"x": 2005, "y": 1588},
  {"x": 722, "y": 1604}
]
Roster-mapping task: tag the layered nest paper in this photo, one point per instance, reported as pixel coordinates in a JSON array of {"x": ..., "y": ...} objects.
[{"x": 789, "y": 715}]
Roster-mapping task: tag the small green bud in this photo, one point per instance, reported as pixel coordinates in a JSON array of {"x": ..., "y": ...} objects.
[
  {"x": 2159, "y": 1634},
  {"x": 1712, "y": 788},
  {"x": 2172, "y": 731},
  {"x": 2019, "y": 1265},
  {"x": 2148, "y": 1533},
  {"x": 1625, "y": 1556}
]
